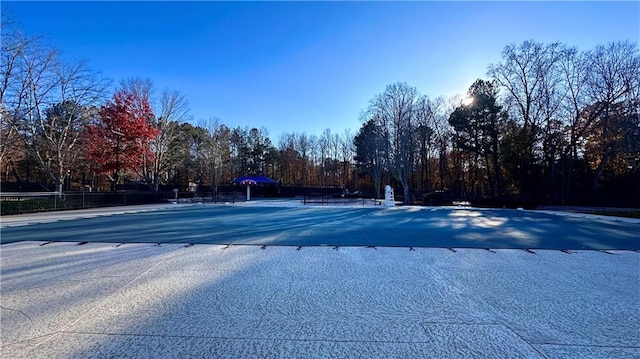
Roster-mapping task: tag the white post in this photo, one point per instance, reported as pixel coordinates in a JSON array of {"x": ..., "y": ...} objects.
[
  {"x": 389, "y": 200},
  {"x": 248, "y": 193}
]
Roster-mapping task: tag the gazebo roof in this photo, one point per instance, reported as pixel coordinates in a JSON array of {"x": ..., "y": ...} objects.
[{"x": 256, "y": 179}]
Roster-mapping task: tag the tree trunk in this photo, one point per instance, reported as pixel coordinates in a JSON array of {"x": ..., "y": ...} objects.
[{"x": 405, "y": 188}]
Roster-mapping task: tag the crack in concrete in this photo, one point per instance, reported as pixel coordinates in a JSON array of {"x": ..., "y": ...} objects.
[{"x": 26, "y": 315}]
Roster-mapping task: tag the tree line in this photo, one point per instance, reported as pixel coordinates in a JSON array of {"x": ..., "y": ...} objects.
[
  {"x": 549, "y": 123},
  {"x": 61, "y": 128}
]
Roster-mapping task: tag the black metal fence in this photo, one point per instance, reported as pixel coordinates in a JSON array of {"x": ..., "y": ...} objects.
[
  {"x": 211, "y": 197},
  {"x": 625, "y": 211},
  {"x": 30, "y": 202},
  {"x": 325, "y": 199}
]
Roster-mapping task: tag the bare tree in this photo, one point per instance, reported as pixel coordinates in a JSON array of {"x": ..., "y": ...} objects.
[
  {"x": 28, "y": 79},
  {"x": 425, "y": 138},
  {"x": 613, "y": 86},
  {"x": 346, "y": 149},
  {"x": 396, "y": 108},
  {"x": 302, "y": 145},
  {"x": 442, "y": 136},
  {"x": 573, "y": 69},
  {"x": 334, "y": 158},
  {"x": 216, "y": 152},
  {"x": 143, "y": 89},
  {"x": 528, "y": 76},
  {"x": 173, "y": 109},
  {"x": 13, "y": 46},
  {"x": 325, "y": 146},
  {"x": 314, "y": 160},
  {"x": 288, "y": 159},
  {"x": 46, "y": 103}
]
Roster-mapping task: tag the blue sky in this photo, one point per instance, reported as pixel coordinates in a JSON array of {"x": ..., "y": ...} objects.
[{"x": 307, "y": 66}]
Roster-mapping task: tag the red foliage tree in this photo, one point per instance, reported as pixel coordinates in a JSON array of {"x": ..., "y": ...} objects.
[{"x": 120, "y": 140}]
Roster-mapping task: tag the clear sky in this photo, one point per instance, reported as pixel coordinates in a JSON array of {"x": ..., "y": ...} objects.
[{"x": 307, "y": 66}]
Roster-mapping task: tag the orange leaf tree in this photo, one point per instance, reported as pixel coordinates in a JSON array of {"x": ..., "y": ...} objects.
[{"x": 119, "y": 141}]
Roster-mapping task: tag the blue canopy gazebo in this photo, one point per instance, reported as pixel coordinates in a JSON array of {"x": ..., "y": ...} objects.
[{"x": 252, "y": 181}]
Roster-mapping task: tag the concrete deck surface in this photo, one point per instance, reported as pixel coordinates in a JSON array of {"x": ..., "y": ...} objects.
[
  {"x": 105, "y": 300},
  {"x": 177, "y": 299}
]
